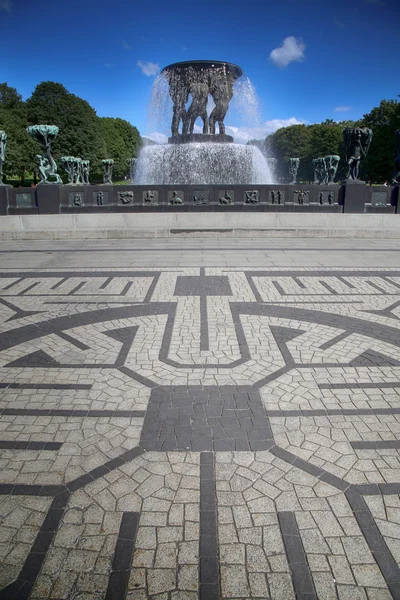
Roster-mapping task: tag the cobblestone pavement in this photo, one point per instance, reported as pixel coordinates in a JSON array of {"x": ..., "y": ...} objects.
[{"x": 205, "y": 431}]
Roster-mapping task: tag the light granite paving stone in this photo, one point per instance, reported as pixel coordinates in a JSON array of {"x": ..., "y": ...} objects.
[
  {"x": 280, "y": 586},
  {"x": 160, "y": 580},
  {"x": 234, "y": 581},
  {"x": 368, "y": 575},
  {"x": 316, "y": 363}
]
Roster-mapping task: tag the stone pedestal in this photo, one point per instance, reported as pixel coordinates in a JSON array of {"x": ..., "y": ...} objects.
[
  {"x": 48, "y": 198},
  {"x": 4, "y": 189},
  {"x": 193, "y": 138},
  {"x": 354, "y": 196}
]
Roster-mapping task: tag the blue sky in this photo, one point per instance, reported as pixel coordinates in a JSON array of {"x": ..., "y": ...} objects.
[{"x": 329, "y": 59}]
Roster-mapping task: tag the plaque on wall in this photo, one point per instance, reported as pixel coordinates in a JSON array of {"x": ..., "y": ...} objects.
[
  {"x": 326, "y": 197},
  {"x": 301, "y": 197},
  {"x": 378, "y": 198},
  {"x": 125, "y": 197},
  {"x": 176, "y": 197},
  {"x": 100, "y": 198},
  {"x": 201, "y": 197},
  {"x": 150, "y": 198},
  {"x": 75, "y": 199},
  {"x": 252, "y": 196},
  {"x": 226, "y": 197},
  {"x": 24, "y": 200},
  {"x": 276, "y": 197}
]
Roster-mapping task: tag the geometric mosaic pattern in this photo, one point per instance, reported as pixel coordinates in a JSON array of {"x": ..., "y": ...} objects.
[{"x": 200, "y": 433}]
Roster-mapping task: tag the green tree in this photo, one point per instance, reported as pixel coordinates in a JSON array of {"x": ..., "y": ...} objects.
[
  {"x": 289, "y": 142},
  {"x": 326, "y": 139},
  {"x": 307, "y": 142},
  {"x": 383, "y": 120},
  {"x": 80, "y": 133},
  {"x": 122, "y": 141},
  {"x": 21, "y": 148}
]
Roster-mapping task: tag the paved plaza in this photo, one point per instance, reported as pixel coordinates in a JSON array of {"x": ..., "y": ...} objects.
[{"x": 208, "y": 419}]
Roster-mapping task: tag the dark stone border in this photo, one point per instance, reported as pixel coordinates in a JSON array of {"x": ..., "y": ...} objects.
[
  {"x": 376, "y": 542},
  {"x": 122, "y": 563},
  {"x": 46, "y": 386},
  {"x": 22, "y": 587},
  {"x": 331, "y": 412},
  {"x": 62, "y": 412},
  {"x": 359, "y": 386},
  {"x": 13, "y": 445},
  {"x": 302, "y": 580},
  {"x": 209, "y": 584},
  {"x": 377, "y": 445}
]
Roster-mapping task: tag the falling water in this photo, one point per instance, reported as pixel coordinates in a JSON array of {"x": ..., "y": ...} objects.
[
  {"x": 160, "y": 107},
  {"x": 202, "y": 163},
  {"x": 245, "y": 103}
]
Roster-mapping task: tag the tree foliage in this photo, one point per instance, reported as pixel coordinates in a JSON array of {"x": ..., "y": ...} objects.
[
  {"x": 82, "y": 133},
  {"x": 290, "y": 142},
  {"x": 79, "y": 135},
  {"x": 383, "y": 120},
  {"x": 322, "y": 139},
  {"x": 20, "y": 149},
  {"x": 122, "y": 141},
  {"x": 85, "y": 135}
]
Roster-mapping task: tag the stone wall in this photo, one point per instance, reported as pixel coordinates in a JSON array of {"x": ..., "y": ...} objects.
[{"x": 58, "y": 199}]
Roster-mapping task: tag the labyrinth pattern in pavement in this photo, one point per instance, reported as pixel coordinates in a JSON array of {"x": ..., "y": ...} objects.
[{"x": 209, "y": 433}]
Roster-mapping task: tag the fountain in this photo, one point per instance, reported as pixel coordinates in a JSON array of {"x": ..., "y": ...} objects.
[
  {"x": 200, "y": 172},
  {"x": 200, "y": 157}
]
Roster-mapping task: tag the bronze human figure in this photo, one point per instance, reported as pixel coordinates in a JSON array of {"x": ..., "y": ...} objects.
[
  {"x": 85, "y": 170},
  {"x": 107, "y": 170},
  {"x": 319, "y": 171},
  {"x": 179, "y": 92},
  {"x": 331, "y": 165},
  {"x": 357, "y": 142},
  {"x": 47, "y": 166},
  {"x": 396, "y": 174},
  {"x": 3, "y": 143},
  {"x": 221, "y": 93},
  {"x": 199, "y": 90},
  {"x": 293, "y": 168}
]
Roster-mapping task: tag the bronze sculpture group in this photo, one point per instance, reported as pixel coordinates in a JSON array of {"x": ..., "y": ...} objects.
[
  {"x": 357, "y": 142},
  {"x": 77, "y": 170},
  {"x": 396, "y": 174},
  {"x": 199, "y": 84},
  {"x": 3, "y": 143},
  {"x": 325, "y": 169},
  {"x": 47, "y": 166}
]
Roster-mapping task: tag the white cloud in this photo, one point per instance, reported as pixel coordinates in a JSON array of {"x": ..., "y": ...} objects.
[
  {"x": 241, "y": 135},
  {"x": 342, "y": 108},
  {"x": 148, "y": 68},
  {"x": 292, "y": 50},
  {"x": 6, "y": 5},
  {"x": 125, "y": 45},
  {"x": 158, "y": 138}
]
